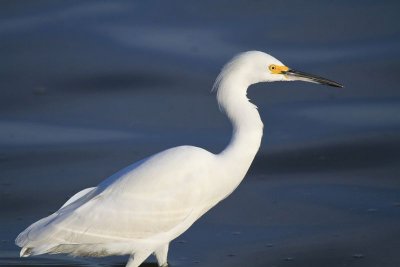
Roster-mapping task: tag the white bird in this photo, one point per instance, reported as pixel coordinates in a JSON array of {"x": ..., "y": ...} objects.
[{"x": 142, "y": 208}]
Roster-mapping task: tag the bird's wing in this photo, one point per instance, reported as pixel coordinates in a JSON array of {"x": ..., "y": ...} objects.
[
  {"x": 144, "y": 200},
  {"x": 78, "y": 196},
  {"x": 23, "y": 238}
]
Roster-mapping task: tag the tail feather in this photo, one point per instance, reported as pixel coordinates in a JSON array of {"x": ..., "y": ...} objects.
[
  {"x": 23, "y": 239},
  {"x": 33, "y": 239},
  {"x": 37, "y": 250},
  {"x": 25, "y": 252}
]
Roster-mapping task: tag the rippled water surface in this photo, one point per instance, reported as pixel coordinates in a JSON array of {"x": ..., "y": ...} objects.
[{"x": 89, "y": 87}]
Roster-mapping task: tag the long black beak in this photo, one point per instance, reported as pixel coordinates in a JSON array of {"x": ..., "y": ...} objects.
[{"x": 298, "y": 75}]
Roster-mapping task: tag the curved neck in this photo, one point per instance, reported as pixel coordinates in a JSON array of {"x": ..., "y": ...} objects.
[{"x": 246, "y": 122}]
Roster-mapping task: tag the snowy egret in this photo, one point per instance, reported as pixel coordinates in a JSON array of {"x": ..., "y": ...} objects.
[{"x": 140, "y": 209}]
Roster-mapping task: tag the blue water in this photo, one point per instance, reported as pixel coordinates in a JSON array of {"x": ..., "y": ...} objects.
[{"x": 88, "y": 87}]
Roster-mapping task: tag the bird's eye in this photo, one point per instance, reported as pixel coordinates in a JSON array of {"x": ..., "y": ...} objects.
[{"x": 272, "y": 67}]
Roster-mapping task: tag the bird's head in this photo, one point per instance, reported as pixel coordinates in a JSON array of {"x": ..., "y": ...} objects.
[{"x": 255, "y": 67}]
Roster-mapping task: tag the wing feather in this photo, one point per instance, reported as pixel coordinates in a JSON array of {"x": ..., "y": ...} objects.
[{"x": 143, "y": 200}]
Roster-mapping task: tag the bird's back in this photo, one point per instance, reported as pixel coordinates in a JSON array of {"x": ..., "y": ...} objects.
[{"x": 143, "y": 202}]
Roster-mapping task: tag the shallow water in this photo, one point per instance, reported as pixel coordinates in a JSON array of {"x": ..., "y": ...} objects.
[{"x": 90, "y": 87}]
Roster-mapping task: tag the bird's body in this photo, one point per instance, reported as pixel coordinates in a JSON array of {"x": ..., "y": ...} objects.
[{"x": 140, "y": 209}]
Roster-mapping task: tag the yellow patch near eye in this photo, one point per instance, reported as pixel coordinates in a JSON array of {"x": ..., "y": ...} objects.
[{"x": 275, "y": 69}]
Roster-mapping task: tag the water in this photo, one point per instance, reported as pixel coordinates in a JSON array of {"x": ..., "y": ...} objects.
[{"x": 90, "y": 87}]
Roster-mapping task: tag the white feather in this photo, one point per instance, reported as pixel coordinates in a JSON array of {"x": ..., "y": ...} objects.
[{"x": 140, "y": 209}]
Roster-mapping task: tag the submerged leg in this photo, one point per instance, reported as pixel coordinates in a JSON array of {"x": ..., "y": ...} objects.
[
  {"x": 136, "y": 259},
  {"x": 161, "y": 255}
]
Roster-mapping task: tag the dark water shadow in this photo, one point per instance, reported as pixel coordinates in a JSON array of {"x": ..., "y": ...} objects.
[
  {"x": 330, "y": 157},
  {"x": 334, "y": 257},
  {"x": 117, "y": 81},
  {"x": 39, "y": 262},
  {"x": 335, "y": 254}
]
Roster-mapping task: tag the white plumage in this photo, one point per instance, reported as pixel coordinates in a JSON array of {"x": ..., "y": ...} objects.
[{"x": 140, "y": 209}]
